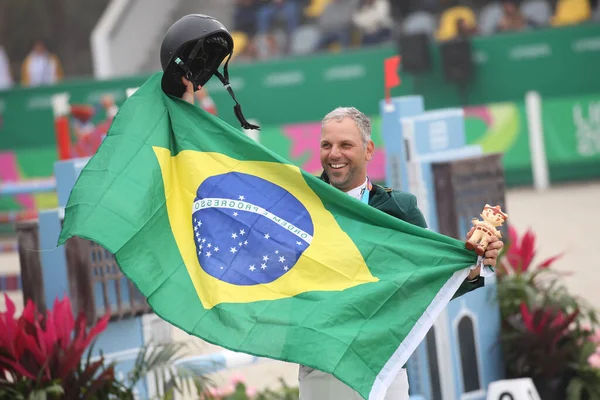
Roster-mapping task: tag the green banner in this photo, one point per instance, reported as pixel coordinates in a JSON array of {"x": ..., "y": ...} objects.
[
  {"x": 556, "y": 62},
  {"x": 572, "y": 137}
]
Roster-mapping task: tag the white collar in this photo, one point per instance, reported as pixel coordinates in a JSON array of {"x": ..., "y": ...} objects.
[{"x": 357, "y": 191}]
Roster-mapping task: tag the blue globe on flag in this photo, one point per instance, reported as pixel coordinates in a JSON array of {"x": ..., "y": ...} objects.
[{"x": 247, "y": 230}]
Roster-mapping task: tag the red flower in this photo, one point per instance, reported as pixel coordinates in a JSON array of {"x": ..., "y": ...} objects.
[
  {"x": 50, "y": 347},
  {"x": 547, "y": 321},
  {"x": 521, "y": 251}
]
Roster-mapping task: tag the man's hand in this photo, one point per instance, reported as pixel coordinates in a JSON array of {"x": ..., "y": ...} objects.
[
  {"x": 490, "y": 257},
  {"x": 188, "y": 95}
]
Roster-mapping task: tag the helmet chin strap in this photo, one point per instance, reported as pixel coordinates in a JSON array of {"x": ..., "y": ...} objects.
[{"x": 237, "y": 109}]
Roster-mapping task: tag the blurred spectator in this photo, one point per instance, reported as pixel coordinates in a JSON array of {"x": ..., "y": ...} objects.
[
  {"x": 335, "y": 23},
  {"x": 6, "y": 80},
  {"x": 569, "y": 12},
  {"x": 205, "y": 101},
  {"x": 512, "y": 18},
  {"x": 244, "y": 21},
  {"x": 108, "y": 104},
  {"x": 374, "y": 21},
  {"x": 456, "y": 21},
  {"x": 289, "y": 10},
  {"x": 245, "y": 15},
  {"x": 41, "y": 67},
  {"x": 400, "y": 9}
]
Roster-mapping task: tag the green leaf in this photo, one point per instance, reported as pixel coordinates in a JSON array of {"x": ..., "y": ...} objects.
[
  {"x": 55, "y": 389},
  {"x": 575, "y": 389},
  {"x": 38, "y": 395}
]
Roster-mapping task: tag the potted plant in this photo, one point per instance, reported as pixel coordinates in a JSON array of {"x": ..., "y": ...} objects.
[
  {"x": 238, "y": 390},
  {"x": 546, "y": 330},
  {"x": 42, "y": 357}
]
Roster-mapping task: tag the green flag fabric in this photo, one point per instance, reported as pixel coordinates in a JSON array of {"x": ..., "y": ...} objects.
[{"x": 233, "y": 244}]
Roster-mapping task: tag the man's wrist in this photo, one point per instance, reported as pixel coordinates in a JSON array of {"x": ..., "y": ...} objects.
[{"x": 474, "y": 274}]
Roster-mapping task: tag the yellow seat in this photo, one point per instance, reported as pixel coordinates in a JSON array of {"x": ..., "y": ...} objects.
[
  {"x": 240, "y": 41},
  {"x": 570, "y": 12},
  {"x": 448, "y": 28},
  {"x": 315, "y": 8}
]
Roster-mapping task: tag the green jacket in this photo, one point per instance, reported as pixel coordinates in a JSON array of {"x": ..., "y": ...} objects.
[{"x": 403, "y": 206}]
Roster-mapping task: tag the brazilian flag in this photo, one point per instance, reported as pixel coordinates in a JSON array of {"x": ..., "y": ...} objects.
[{"x": 232, "y": 243}]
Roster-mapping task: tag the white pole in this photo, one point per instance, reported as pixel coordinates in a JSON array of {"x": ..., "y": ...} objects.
[
  {"x": 539, "y": 162},
  {"x": 252, "y": 133},
  {"x": 130, "y": 91},
  {"x": 100, "y": 42},
  {"x": 60, "y": 104}
]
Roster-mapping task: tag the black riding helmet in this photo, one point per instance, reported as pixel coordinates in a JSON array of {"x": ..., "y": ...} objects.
[{"x": 194, "y": 47}]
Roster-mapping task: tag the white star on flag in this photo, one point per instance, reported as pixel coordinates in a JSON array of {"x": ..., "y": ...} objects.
[
  {"x": 252, "y": 268},
  {"x": 240, "y": 197},
  {"x": 281, "y": 259},
  {"x": 263, "y": 266},
  {"x": 267, "y": 236},
  {"x": 234, "y": 235}
]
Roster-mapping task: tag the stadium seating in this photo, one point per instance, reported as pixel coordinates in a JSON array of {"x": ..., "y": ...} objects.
[
  {"x": 419, "y": 22},
  {"x": 489, "y": 17},
  {"x": 315, "y": 8},
  {"x": 448, "y": 25},
  {"x": 305, "y": 39},
  {"x": 570, "y": 12},
  {"x": 538, "y": 11}
]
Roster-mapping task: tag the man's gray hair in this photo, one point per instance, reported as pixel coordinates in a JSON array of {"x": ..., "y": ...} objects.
[{"x": 361, "y": 120}]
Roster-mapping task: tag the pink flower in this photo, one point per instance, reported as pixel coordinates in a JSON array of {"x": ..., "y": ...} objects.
[
  {"x": 594, "y": 360},
  {"x": 226, "y": 391},
  {"x": 596, "y": 338},
  {"x": 237, "y": 378},
  {"x": 250, "y": 392}
]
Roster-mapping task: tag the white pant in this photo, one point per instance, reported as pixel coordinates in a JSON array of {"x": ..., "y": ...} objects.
[{"x": 318, "y": 385}]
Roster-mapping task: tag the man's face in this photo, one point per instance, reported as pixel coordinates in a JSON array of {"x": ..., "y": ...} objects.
[
  {"x": 344, "y": 156},
  {"x": 39, "y": 47}
]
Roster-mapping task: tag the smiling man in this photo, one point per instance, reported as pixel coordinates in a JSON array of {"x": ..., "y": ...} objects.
[{"x": 346, "y": 148}]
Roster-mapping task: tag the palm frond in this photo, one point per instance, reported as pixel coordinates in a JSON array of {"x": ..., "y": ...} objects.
[{"x": 159, "y": 361}]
